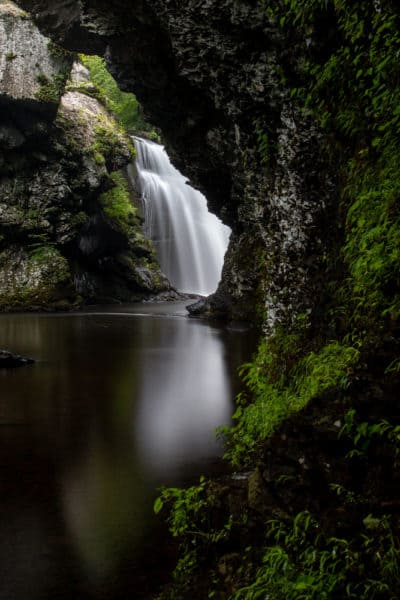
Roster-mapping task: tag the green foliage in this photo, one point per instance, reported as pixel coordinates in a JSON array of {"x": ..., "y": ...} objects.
[
  {"x": 365, "y": 434},
  {"x": 122, "y": 104},
  {"x": 353, "y": 89},
  {"x": 10, "y": 56},
  {"x": 372, "y": 249},
  {"x": 187, "y": 512},
  {"x": 301, "y": 563},
  {"x": 190, "y": 519},
  {"x": 350, "y": 84},
  {"x": 346, "y": 496},
  {"x": 393, "y": 367},
  {"x": 187, "y": 506},
  {"x": 359, "y": 82},
  {"x": 281, "y": 383}
]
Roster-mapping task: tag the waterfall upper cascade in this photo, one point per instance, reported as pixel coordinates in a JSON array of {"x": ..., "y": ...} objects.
[{"x": 189, "y": 240}]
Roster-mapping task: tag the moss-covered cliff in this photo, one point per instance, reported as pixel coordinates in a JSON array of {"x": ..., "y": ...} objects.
[
  {"x": 69, "y": 230},
  {"x": 286, "y": 114}
]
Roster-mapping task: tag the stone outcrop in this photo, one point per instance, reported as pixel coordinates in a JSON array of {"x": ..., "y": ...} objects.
[
  {"x": 30, "y": 65},
  {"x": 62, "y": 241},
  {"x": 213, "y": 83},
  {"x": 33, "y": 73}
]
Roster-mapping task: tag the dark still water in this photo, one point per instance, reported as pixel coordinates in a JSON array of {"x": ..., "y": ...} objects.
[{"x": 119, "y": 402}]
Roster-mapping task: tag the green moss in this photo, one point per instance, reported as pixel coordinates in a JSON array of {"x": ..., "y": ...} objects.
[
  {"x": 108, "y": 139},
  {"x": 89, "y": 90},
  {"x": 47, "y": 254},
  {"x": 10, "y": 56},
  {"x": 51, "y": 89},
  {"x": 116, "y": 203},
  {"x": 122, "y": 104},
  {"x": 41, "y": 278}
]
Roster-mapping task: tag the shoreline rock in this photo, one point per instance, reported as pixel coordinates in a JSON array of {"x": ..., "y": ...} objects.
[{"x": 9, "y": 360}]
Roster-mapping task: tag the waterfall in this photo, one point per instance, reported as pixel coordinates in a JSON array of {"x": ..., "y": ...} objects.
[{"x": 189, "y": 240}]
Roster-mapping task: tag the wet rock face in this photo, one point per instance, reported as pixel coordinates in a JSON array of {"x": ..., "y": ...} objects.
[{"x": 210, "y": 75}]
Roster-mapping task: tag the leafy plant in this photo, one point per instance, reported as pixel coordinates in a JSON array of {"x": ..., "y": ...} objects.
[
  {"x": 364, "y": 434},
  {"x": 190, "y": 518},
  {"x": 349, "y": 86},
  {"x": 275, "y": 397},
  {"x": 301, "y": 563}
]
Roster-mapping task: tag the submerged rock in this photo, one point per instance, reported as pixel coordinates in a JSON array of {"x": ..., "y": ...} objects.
[
  {"x": 197, "y": 308},
  {"x": 9, "y": 360}
]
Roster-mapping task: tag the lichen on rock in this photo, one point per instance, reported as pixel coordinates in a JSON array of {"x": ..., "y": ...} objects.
[
  {"x": 35, "y": 279},
  {"x": 29, "y": 72}
]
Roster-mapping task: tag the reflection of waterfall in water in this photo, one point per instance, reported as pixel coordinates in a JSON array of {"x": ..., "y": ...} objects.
[
  {"x": 190, "y": 391},
  {"x": 190, "y": 241}
]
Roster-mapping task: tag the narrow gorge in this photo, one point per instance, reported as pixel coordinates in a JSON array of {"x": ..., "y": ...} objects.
[{"x": 285, "y": 115}]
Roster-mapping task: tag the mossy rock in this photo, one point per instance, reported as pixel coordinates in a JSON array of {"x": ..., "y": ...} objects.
[{"x": 38, "y": 279}]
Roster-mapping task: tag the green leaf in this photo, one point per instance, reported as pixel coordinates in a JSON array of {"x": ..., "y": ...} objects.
[
  {"x": 371, "y": 522},
  {"x": 304, "y": 582},
  {"x": 158, "y": 504}
]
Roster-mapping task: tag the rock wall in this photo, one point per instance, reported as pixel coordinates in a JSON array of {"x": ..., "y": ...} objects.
[
  {"x": 210, "y": 75},
  {"x": 68, "y": 229}
]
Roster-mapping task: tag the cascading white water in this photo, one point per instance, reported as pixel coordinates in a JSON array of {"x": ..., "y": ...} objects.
[{"x": 190, "y": 241}]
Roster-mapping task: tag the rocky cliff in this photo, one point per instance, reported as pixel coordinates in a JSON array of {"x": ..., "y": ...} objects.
[
  {"x": 210, "y": 77},
  {"x": 69, "y": 231}
]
